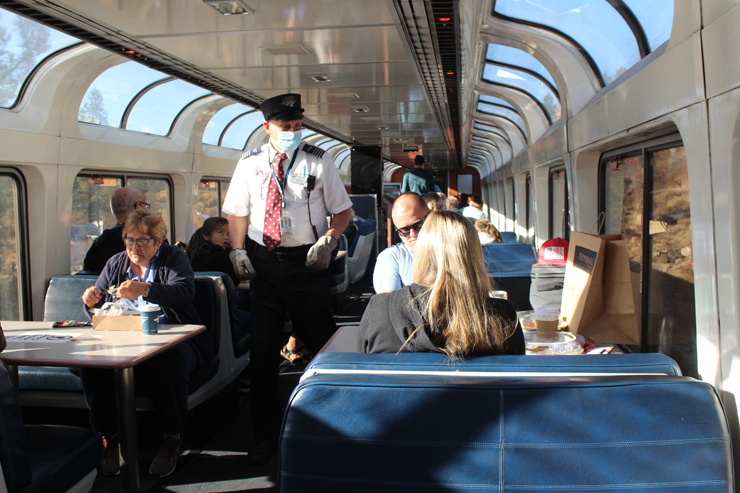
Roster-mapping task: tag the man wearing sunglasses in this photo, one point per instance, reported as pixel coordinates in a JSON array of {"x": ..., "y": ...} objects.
[
  {"x": 123, "y": 202},
  {"x": 393, "y": 266}
]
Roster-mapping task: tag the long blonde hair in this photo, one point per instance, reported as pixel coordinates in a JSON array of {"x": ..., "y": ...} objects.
[{"x": 448, "y": 262}]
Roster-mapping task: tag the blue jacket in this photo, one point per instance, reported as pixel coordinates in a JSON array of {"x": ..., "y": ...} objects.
[{"x": 173, "y": 290}]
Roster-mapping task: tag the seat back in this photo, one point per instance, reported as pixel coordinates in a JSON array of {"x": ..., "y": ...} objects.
[
  {"x": 510, "y": 267},
  {"x": 447, "y": 432},
  {"x": 13, "y": 447},
  {"x": 215, "y": 300},
  {"x": 64, "y": 298},
  {"x": 644, "y": 363},
  {"x": 509, "y": 237}
]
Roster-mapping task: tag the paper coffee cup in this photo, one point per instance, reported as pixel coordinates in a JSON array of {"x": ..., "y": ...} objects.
[
  {"x": 149, "y": 315},
  {"x": 546, "y": 319}
]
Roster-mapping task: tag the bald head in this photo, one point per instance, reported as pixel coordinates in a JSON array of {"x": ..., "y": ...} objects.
[
  {"x": 409, "y": 208},
  {"x": 123, "y": 202}
]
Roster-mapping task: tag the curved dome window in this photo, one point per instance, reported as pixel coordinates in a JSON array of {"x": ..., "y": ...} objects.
[
  {"x": 519, "y": 59},
  {"x": 107, "y": 98},
  {"x": 527, "y": 83},
  {"x": 235, "y": 137},
  {"x": 655, "y": 17},
  {"x": 594, "y": 27},
  {"x": 155, "y": 112},
  {"x": 221, "y": 121},
  {"x": 496, "y": 101},
  {"x": 24, "y": 45},
  {"x": 509, "y": 115}
]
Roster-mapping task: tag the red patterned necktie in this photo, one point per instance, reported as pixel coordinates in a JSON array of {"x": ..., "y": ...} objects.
[{"x": 273, "y": 203}]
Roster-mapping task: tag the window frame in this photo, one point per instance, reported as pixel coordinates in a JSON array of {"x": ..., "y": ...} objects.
[
  {"x": 643, "y": 149},
  {"x": 26, "y": 301},
  {"x": 559, "y": 168},
  {"x": 125, "y": 177}
]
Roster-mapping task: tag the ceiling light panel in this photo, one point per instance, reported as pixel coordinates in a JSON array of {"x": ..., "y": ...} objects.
[
  {"x": 287, "y": 50},
  {"x": 229, "y": 7}
]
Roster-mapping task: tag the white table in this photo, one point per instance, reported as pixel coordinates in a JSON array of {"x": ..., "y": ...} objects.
[{"x": 117, "y": 350}]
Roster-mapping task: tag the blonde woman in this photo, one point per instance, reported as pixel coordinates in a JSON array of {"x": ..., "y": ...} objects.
[
  {"x": 448, "y": 308},
  {"x": 434, "y": 201},
  {"x": 487, "y": 232}
]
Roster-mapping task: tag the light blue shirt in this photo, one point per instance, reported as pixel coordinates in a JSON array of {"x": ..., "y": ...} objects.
[
  {"x": 472, "y": 213},
  {"x": 393, "y": 268},
  {"x": 148, "y": 278}
]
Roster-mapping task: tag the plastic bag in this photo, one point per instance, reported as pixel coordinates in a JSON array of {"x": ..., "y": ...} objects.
[{"x": 117, "y": 307}]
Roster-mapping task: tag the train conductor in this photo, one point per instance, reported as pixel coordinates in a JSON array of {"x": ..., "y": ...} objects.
[{"x": 279, "y": 199}]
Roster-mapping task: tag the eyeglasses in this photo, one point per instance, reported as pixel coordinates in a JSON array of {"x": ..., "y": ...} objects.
[
  {"x": 141, "y": 242},
  {"x": 142, "y": 205},
  {"x": 406, "y": 230}
]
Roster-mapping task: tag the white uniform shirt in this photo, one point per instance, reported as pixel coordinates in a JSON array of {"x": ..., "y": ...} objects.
[{"x": 248, "y": 191}]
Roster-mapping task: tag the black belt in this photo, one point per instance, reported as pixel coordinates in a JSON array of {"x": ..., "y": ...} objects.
[{"x": 283, "y": 253}]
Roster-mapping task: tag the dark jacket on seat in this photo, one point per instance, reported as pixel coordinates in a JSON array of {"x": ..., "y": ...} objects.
[
  {"x": 390, "y": 318},
  {"x": 103, "y": 248},
  {"x": 173, "y": 290},
  {"x": 210, "y": 257}
]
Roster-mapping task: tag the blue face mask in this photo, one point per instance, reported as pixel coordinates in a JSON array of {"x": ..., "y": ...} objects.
[{"x": 289, "y": 141}]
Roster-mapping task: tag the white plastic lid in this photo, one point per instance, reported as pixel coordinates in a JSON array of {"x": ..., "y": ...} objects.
[
  {"x": 149, "y": 308},
  {"x": 547, "y": 313}
]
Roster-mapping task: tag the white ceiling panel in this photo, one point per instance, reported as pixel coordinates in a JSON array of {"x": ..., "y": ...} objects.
[
  {"x": 173, "y": 17},
  {"x": 287, "y": 79},
  {"x": 336, "y": 46}
]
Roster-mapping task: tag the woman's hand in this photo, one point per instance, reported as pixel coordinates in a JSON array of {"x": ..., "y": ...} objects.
[
  {"x": 91, "y": 296},
  {"x": 131, "y": 290}
]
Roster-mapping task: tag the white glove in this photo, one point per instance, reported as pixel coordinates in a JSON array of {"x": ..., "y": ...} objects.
[
  {"x": 242, "y": 264},
  {"x": 319, "y": 256}
]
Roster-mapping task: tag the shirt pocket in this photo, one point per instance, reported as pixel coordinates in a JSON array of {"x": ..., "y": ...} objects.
[
  {"x": 296, "y": 188},
  {"x": 258, "y": 186}
]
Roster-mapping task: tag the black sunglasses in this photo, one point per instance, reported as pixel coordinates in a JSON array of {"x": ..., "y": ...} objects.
[{"x": 406, "y": 230}]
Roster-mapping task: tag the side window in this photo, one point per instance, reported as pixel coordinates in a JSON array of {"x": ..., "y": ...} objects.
[
  {"x": 530, "y": 210},
  {"x": 12, "y": 249},
  {"x": 211, "y": 196},
  {"x": 559, "y": 206},
  {"x": 646, "y": 198},
  {"x": 91, "y": 214},
  {"x": 158, "y": 192}
]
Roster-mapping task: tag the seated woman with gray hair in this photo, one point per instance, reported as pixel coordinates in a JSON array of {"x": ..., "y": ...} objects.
[
  {"x": 148, "y": 272},
  {"x": 448, "y": 308}
]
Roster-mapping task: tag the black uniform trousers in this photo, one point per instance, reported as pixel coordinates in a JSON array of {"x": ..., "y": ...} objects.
[
  {"x": 164, "y": 378},
  {"x": 283, "y": 284}
]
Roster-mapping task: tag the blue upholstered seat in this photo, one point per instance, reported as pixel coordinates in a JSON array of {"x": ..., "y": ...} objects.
[
  {"x": 607, "y": 429},
  {"x": 43, "y": 458}
]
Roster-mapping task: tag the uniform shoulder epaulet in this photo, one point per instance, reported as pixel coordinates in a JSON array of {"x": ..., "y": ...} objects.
[
  {"x": 316, "y": 151},
  {"x": 256, "y": 150}
]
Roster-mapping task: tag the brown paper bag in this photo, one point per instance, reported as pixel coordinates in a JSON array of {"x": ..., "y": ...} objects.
[
  {"x": 597, "y": 292},
  {"x": 583, "y": 297},
  {"x": 618, "y": 323}
]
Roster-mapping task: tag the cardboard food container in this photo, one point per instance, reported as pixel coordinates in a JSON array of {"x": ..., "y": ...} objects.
[{"x": 129, "y": 321}]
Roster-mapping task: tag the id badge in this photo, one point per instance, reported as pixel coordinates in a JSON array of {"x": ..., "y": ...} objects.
[{"x": 286, "y": 224}]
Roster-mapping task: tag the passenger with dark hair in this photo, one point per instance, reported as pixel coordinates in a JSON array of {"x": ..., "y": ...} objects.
[
  {"x": 462, "y": 201},
  {"x": 123, "y": 202},
  {"x": 209, "y": 246},
  {"x": 418, "y": 180},
  {"x": 474, "y": 210},
  {"x": 487, "y": 232},
  {"x": 448, "y": 308},
  {"x": 148, "y": 272}
]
